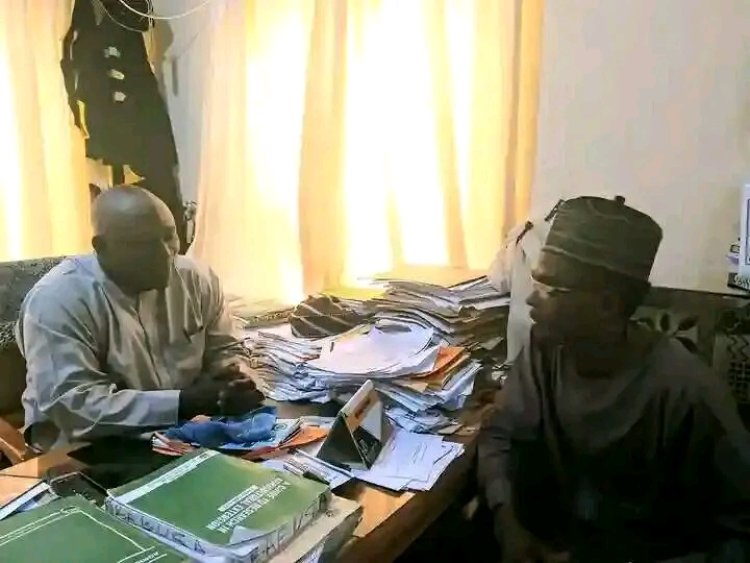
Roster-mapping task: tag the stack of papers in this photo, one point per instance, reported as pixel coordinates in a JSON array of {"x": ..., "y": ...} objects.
[
  {"x": 464, "y": 310},
  {"x": 358, "y": 299},
  {"x": 408, "y": 461},
  {"x": 417, "y": 374},
  {"x": 385, "y": 350},
  {"x": 411, "y": 461},
  {"x": 278, "y": 356},
  {"x": 248, "y": 314}
]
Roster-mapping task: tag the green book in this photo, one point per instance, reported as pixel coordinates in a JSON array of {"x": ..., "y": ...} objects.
[
  {"x": 216, "y": 507},
  {"x": 73, "y": 529}
]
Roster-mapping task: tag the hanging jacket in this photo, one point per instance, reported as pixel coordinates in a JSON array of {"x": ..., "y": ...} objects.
[
  {"x": 113, "y": 93},
  {"x": 115, "y": 99}
]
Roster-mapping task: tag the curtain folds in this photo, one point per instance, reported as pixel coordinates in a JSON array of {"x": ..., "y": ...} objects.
[
  {"x": 347, "y": 137},
  {"x": 44, "y": 197}
]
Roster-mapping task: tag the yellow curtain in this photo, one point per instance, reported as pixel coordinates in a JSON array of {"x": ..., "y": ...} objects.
[
  {"x": 43, "y": 188},
  {"x": 347, "y": 137}
]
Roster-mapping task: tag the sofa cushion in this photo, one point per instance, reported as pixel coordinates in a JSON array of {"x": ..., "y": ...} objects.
[
  {"x": 7, "y": 336},
  {"x": 16, "y": 279}
]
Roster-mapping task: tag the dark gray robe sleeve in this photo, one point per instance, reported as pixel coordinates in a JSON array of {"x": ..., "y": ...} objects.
[
  {"x": 516, "y": 417},
  {"x": 718, "y": 439}
]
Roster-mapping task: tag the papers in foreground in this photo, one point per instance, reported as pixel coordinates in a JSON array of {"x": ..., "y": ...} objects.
[
  {"x": 411, "y": 461},
  {"x": 408, "y": 462}
]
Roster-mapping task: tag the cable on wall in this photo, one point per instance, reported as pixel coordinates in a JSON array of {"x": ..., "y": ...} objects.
[{"x": 169, "y": 17}]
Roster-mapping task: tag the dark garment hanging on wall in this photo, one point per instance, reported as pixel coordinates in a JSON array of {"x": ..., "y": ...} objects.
[{"x": 115, "y": 98}]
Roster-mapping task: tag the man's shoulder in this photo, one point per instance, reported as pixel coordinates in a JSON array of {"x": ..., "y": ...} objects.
[
  {"x": 690, "y": 385},
  {"x": 677, "y": 370},
  {"x": 68, "y": 284}
]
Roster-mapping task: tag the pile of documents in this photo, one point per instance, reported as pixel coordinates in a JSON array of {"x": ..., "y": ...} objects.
[
  {"x": 737, "y": 279},
  {"x": 463, "y": 309},
  {"x": 214, "y": 507},
  {"x": 421, "y": 348},
  {"x": 277, "y": 356},
  {"x": 411, "y": 461},
  {"x": 247, "y": 313},
  {"x": 408, "y": 461},
  {"x": 358, "y": 299},
  {"x": 417, "y": 373}
]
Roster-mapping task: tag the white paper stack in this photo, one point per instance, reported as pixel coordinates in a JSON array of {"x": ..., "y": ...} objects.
[
  {"x": 386, "y": 350},
  {"x": 403, "y": 361},
  {"x": 425, "y": 421},
  {"x": 411, "y": 461},
  {"x": 420, "y": 379},
  {"x": 471, "y": 313},
  {"x": 408, "y": 461},
  {"x": 278, "y": 356}
]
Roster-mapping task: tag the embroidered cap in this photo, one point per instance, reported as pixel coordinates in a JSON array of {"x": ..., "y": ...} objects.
[{"x": 605, "y": 233}]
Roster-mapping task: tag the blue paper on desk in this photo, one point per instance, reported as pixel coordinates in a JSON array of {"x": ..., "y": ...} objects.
[{"x": 257, "y": 429}]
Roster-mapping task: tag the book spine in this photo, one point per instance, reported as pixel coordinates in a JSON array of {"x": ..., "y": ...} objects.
[
  {"x": 272, "y": 543},
  {"x": 159, "y": 528}
]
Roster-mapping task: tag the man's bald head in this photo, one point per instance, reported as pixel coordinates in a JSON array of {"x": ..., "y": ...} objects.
[
  {"x": 134, "y": 237},
  {"x": 124, "y": 206}
]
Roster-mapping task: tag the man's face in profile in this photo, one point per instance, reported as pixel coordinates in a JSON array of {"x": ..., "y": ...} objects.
[
  {"x": 141, "y": 255},
  {"x": 565, "y": 305}
]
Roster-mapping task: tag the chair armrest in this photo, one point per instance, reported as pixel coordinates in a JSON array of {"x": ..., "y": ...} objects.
[{"x": 12, "y": 444}]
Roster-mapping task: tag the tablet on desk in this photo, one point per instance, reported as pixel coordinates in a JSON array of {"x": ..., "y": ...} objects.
[{"x": 359, "y": 431}]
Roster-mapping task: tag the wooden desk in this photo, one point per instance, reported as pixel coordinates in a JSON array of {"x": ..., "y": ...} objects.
[
  {"x": 390, "y": 521},
  {"x": 15, "y": 479}
]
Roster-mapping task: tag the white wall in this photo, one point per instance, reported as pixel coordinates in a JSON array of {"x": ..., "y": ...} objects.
[
  {"x": 651, "y": 99},
  {"x": 183, "y": 45}
]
